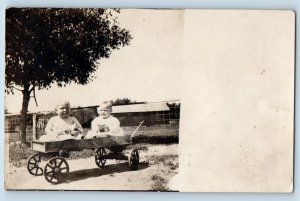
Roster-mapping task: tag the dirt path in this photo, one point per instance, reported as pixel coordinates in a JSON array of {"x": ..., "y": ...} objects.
[{"x": 158, "y": 165}]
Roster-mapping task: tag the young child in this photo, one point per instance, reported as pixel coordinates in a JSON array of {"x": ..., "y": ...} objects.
[
  {"x": 62, "y": 126},
  {"x": 105, "y": 124}
]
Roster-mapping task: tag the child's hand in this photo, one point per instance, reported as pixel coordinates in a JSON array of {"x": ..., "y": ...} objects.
[
  {"x": 72, "y": 127},
  {"x": 103, "y": 128},
  {"x": 100, "y": 128},
  {"x": 75, "y": 133},
  {"x": 106, "y": 128},
  {"x": 62, "y": 133}
]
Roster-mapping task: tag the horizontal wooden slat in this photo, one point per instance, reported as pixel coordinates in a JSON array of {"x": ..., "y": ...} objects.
[{"x": 56, "y": 146}]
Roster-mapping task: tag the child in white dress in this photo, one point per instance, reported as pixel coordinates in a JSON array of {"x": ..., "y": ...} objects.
[
  {"x": 105, "y": 124},
  {"x": 62, "y": 126}
]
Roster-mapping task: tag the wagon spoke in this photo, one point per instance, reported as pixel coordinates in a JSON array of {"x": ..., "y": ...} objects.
[
  {"x": 34, "y": 158},
  {"x": 49, "y": 170},
  {"x": 51, "y": 177},
  {"x": 60, "y": 163},
  {"x": 38, "y": 159},
  {"x": 65, "y": 168},
  {"x": 50, "y": 165}
]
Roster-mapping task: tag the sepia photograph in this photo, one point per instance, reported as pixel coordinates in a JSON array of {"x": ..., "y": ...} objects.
[
  {"x": 188, "y": 100},
  {"x": 92, "y": 99}
]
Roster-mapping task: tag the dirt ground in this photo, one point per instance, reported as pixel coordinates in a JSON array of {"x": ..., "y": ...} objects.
[{"x": 158, "y": 166}]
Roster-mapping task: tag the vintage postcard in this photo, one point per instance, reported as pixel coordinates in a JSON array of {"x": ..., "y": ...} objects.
[{"x": 184, "y": 100}]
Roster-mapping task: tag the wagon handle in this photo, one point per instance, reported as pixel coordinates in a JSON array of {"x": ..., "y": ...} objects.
[{"x": 137, "y": 129}]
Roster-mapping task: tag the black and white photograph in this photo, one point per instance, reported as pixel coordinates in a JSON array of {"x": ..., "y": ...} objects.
[{"x": 91, "y": 99}]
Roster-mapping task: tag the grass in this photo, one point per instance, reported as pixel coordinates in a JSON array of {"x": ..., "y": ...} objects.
[
  {"x": 170, "y": 166},
  {"x": 170, "y": 161},
  {"x": 86, "y": 153},
  {"x": 141, "y": 147},
  {"x": 19, "y": 153},
  {"x": 165, "y": 159},
  {"x": 159, "y": 130},
  {"x": 159, "y": 183},
  {"x": 161, "y": 134}
]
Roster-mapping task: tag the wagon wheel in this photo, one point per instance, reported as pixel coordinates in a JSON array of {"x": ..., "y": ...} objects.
[
  {"x": 55, "y": 169},
  {"x": 100, "y": 157},
  {"x": 33, "y": 165},
  {"x": 133, "y": 159}
]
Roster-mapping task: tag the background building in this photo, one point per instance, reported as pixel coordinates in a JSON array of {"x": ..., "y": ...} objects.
[{"x": 158, "y": 113}]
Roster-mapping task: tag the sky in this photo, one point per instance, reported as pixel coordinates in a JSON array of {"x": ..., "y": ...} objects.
[{"x": 146, "y": 70}]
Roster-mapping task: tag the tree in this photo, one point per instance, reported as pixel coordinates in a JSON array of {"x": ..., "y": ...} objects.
[
  {"x": 125, "y": 101},
  {"x": 6, "y": 111},
  {"x": 122, "y": 101},
  {"x": 46, "y": 46}
]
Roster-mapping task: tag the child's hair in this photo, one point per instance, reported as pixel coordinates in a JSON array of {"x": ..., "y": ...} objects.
[
  {"x": 62, "y": 103},
  {"x": 106, "y": 104}
]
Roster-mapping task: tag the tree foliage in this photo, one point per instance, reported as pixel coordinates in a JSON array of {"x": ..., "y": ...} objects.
[
  {"x": 53, "y": 45},
  {"x": 6, "y": 111},
  {"x": 125, "y": 101}
]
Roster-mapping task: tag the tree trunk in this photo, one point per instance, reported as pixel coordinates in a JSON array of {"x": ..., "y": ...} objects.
[{"x": 23, "y": 119}]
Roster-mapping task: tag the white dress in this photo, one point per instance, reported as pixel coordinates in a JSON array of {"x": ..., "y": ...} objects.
[
  {"x": 111, "y": 125},
  {"x": 60, "y": 129}
]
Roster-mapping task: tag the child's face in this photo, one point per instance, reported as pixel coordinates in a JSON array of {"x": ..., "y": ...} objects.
[
  {"x": 105, "y": 112},
  {"x": 63, "y": 111}
]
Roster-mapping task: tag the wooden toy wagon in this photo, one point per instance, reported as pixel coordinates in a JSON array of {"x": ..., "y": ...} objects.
[{"x": 57, "y": 167}]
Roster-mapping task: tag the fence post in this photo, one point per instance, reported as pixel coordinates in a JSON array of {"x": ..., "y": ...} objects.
[{"x": 34, "y": 137}]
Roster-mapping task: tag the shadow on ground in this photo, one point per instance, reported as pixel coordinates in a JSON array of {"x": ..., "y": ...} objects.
[{"x": 97, "y": 172}]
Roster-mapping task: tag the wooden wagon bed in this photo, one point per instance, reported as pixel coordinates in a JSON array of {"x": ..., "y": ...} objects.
[{"x": 76, "y": 145}]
